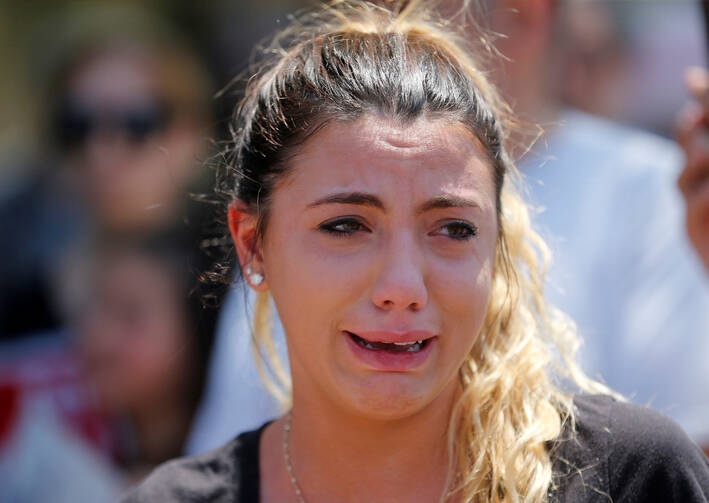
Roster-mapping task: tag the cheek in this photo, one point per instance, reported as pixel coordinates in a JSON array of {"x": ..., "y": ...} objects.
[
  {"x": 462, "y": 293},
  {"x": 466, "y": 295},
  {"x": 310, "y": 287}
]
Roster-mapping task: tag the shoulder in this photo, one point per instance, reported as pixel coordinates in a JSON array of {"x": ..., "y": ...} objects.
[
  {"x": 652, "y": 455},
  {"x": 226, "y": 474},
  {"x": 625, "y": 452},
  {"x": 629, "y": 428}
]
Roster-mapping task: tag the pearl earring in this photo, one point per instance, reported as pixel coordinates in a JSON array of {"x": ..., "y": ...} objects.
[{"x": 254, "y": 278}]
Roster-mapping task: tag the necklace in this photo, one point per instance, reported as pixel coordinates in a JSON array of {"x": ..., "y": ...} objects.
[{"x": 287, "y": 458}]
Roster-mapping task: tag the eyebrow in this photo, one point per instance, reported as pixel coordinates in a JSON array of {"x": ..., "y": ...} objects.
[
  {"x": 358, "y": 198},
  {"x": 363, "y": 199},
  {"x": 446, "y": 201}
]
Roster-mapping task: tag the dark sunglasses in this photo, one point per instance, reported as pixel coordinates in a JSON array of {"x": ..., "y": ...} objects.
[{"x": 75, "y": 124}]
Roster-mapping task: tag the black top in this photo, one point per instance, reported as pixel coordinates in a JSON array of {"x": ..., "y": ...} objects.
[{"x": 620, "y": 453}]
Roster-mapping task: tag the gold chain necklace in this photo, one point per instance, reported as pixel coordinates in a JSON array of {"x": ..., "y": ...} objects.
[{"x": 286, "y": 457}]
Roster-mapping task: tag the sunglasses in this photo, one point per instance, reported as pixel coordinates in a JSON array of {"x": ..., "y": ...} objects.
[{"x": 75, "y": 124}]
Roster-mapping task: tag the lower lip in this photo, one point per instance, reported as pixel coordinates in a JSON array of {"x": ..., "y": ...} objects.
[{"x": 389, "y": 361}]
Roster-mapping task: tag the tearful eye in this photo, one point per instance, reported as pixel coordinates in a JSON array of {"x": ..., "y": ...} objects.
[
  {"x": 343, "y": 226},
  {"x": 458, "y": 230}
]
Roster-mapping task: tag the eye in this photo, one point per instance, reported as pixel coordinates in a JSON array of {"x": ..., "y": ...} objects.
[
  {"x": 459, "y": 230},
  {"x": 343, "y": 226}
]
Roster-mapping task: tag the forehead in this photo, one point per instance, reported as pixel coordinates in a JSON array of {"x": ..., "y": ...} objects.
[
  {"x": 113, "y": 77},
  {"x": 421, "y": 156}
]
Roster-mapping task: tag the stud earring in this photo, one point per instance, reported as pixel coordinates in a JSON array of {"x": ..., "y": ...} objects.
[{"x": 254, "y": 278}]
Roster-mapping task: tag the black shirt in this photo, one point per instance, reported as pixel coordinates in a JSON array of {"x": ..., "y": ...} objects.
[{"x": 619, "y": 453}]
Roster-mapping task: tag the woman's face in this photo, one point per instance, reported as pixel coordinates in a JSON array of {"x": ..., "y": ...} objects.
[
  {"x": 133, "y": 335},
  {"x": 380, "y": 236},
  {"x": 132, "y": 158}
]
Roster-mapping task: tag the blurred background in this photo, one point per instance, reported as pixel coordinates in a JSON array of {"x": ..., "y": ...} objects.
[{"x": 108, "y": 125}]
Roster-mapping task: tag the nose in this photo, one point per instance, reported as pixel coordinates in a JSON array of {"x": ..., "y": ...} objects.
[
  {"x": 106, "y": 149},
  {"x": 400, "y": 283}
]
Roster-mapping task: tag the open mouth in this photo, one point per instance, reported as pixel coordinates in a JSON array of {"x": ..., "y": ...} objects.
[{"x": 391, "y": 347}]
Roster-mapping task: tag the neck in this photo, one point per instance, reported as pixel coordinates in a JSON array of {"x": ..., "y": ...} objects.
[{"x": 339, "y": 456}]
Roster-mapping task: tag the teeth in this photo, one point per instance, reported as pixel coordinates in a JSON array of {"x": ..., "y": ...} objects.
[{"x": 408, "y": 347}]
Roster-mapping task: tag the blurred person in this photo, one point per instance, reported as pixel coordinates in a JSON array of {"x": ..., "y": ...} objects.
[
  {"x": 623, "y": 268},
  {"x": 693, "y": 135},
  {"x": 693, "y": 182},
  {"x": 144, "y": 337},
  {"x": 131, "y": 125},
  {"x": 594, "y": 59},
  {"x": 618, "y": 57},
  {"x": 141, "y": 338},
  {"x": 664, "y": 38},
  {"x": 127, "y": 114},
  {"x": 127, "y": 111},
  {"x": 54, "y": 442}
]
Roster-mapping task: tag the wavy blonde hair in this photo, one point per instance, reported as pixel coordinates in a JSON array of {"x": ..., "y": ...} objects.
[{"x": 512, "y": 407}]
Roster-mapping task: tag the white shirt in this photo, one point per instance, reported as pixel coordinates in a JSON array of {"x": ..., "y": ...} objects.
[{"x": 623, "y": 267}]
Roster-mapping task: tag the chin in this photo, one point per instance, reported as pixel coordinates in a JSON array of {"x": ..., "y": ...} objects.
[{"x": 391, "y": 397}]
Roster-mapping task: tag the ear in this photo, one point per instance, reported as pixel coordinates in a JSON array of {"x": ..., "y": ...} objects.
[{"x": 243, "y": 227}]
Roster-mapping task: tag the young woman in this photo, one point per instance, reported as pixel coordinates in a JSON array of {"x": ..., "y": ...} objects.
[
  {"x": 144, "y": 341},
  {"x": 371, "y": 200}
]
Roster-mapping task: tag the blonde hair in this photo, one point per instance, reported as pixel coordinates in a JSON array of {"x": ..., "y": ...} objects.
[{"x": 512, "y": 406}]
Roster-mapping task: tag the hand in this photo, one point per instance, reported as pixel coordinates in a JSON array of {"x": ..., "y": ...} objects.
[{"x": 693, "y": 135}]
